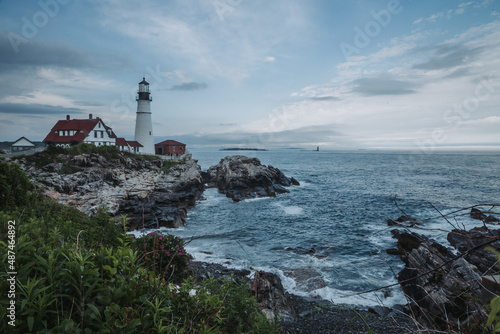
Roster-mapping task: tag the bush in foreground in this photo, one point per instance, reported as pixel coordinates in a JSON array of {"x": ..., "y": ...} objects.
[{"x": 79, "y": 274}]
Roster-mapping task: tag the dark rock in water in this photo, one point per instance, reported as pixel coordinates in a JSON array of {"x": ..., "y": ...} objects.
[
  {"x": 477, "y": 214},
  {"x": 391, "y": 222},
  {"x": 439, "y": 282},
  {"x": 204, "y": 270},
  {"x": 393, "y": 251},
  {"x": 294, "y": 181},
  {"x": 402, "y": 221},
  {"x": 307, "y": 278},
  {"x": 240, "y": 178},
  {"x": 271, "y": 297},
  {"x": 491, "y": 219}
]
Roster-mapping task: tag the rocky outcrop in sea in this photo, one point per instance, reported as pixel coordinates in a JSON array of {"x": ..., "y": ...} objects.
[
  {"x": 240, "y": 177},
  {"x": 142, "y": 190}
]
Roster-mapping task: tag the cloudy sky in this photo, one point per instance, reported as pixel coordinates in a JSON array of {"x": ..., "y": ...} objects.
[{"x": 342, "y": 74}]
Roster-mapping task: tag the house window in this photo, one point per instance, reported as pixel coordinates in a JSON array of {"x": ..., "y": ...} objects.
[
  {"x": 99, "y": 125},
  {"x": 173, "y": 148},
  {"x": 95, "y": 134},
  {"x": 102, "y": 134}
]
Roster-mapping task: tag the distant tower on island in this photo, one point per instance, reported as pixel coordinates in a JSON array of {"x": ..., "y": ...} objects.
[{"x": 143, "y": 122}]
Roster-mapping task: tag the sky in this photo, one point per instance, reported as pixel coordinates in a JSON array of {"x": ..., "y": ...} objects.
[{"x": 339, "y": 74}]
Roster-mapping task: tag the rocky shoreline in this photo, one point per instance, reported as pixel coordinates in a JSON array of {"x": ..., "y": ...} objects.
[
  {"x": 143, "y": 189},
  {"x": 450, "y": 287},
  {"x": 311, "y": 316}
]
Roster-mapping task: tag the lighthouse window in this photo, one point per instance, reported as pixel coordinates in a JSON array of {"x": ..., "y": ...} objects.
[{"x": 150, "y": 133}]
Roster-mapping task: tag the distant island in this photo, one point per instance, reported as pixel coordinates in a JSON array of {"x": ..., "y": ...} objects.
[{"x": 242, "y": 149}]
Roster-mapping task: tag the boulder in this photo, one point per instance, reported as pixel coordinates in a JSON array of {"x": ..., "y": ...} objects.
[
  {"x": 467, "y": 242},
  {"x": 491, "y": 219},
  {"x": 240, "y": 177},
  {"x": 477, "y": 214},
  {"x": 271, "y": 297},
  {"x": 308, "y": 279},
  {"x": 442, "y": 285}
]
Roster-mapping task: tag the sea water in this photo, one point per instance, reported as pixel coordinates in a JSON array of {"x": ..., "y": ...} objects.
[{"x": 340, "y": 210}]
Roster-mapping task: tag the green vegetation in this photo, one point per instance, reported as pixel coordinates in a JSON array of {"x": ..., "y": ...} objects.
[
  {"x": 167, "y": 164},
  {"x": 79, "y": 274}
]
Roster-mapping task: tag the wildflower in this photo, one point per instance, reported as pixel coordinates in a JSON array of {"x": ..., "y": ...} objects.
[
  {"x": 160, "y": 238},
  {"x": 180, "y": 253},
  {"x": 168, "y": 254},
  {"x": 151, "y": 234},
  {"x": 161, "y": 246}
]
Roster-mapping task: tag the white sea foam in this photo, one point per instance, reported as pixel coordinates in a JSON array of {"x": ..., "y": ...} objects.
[
  {"x": 290, "y": 210},
  {"x": 346, "y": 297}
]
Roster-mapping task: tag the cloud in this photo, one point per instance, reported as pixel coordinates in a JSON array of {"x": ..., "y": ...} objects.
[
  {"x": 448, "y": 56},
  {"x": 383, "y": 86},
  {"x": 36, "y": 109},
  {"x": 194, "y": 33},
  {"x": 39, "y": 53},
  {"x": 190, "y": 86},
  {"x": 324, "y": 98},
  {"x": 448, "y": 14},
  {"x": 270, "y": 59}
]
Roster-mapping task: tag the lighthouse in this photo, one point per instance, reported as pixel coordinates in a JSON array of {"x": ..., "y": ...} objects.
[{"x": 143, "y": 122}]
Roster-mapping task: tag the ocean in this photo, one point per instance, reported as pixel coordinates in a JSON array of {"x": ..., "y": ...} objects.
[{"x": 327, "y": 237}]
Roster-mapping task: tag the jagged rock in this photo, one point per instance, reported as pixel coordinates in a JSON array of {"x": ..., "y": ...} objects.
[
  {"x": 410, "y": 222},
  {"x": 124, "y": 185},
  {"x": 477, "y": 214},
  {"x": 442, "y": 287},
  {"x": 204, "y": 270},
  {"x": 240, "y": 177},
  {"x": 491, "y": 219},
  {"x": 271, "y": 297},
  {"x": 464, "y": 241},
  {"x": 307, "y": 278}
]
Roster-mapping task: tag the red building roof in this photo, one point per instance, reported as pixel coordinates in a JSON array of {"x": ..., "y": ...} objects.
[
  {"x": 170, "y": 143},
  {"x": 81, "y": 126},
  {"x": 121, "y": 142},
  {"x": 134, "y": 143}
]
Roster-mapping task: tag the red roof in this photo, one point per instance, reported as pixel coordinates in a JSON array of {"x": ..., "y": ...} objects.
[
  {"x": 121, "y": 142},
  {"x": 170, "y": 143},
  {"x": 134, "y": 143},
  {"x": 82, "y": 127}
]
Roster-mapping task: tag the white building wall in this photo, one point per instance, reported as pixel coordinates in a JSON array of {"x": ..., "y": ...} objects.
[
  {"x": 23, "y": 142},
  {"x": 144, "y": 127},
  {"x": 99, "y": 136}
]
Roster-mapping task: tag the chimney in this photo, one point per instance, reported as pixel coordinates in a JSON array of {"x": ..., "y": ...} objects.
[
  {"x": 90, "y": 116},
  {"x": 67, "y": 117}
]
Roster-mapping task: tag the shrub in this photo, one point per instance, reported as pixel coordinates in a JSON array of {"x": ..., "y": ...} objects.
[
  {"x": 164, "y": 254},
  {"x": 167, "y": 164},
  {"x": 14, "y": 186}
]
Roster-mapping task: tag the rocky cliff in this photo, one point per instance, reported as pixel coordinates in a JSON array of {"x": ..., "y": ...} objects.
[
  {"x": 240, "y": 177},
  {"x": 449, "y": 288},
  {"x": 124, "y": 184}
]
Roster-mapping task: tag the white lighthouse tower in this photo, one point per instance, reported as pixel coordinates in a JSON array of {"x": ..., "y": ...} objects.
[{"x": 143, "y": 122}]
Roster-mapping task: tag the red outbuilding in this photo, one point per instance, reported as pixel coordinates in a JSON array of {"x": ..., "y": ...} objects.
[{"x": 170, "y": 147}]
